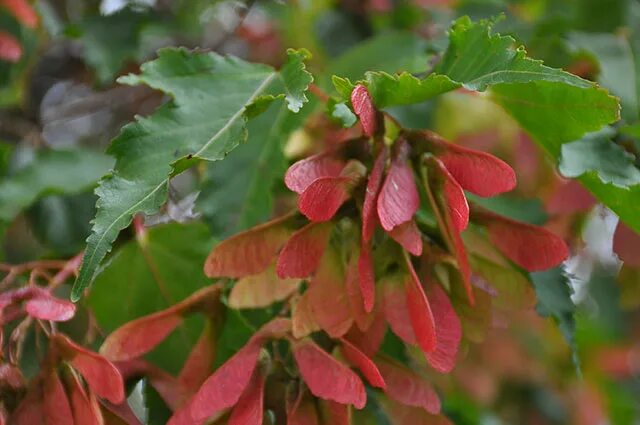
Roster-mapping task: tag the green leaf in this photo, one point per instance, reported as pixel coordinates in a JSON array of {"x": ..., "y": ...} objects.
[
  {"x": 526, "y": 210},
  {"x": 617, "y": 66},
  {"x": 233, "y": 204},
  {"x": 110, "y": 41},
  {"x": 597, "y": 153},
  {"x": 51, "y": 172},
  {"x": 212, "y": 98},
  {"x": 149, "y": 275},
  {"x": 404, "y": 89},
  {"x": 340, "y": 113},
  {"x": 389, "y": 52},
  {"x": 553, "y": 291}
]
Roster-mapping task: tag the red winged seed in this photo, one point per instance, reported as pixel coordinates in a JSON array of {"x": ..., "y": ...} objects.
[
  {"x": 369, "y": 342},
  {"x": 249, "y": 252},
  {"x": 165, "y": 384},
  {"x": 221, "y": 390},
  {"x": 138, "y": 337},
  {"x": 626, "y": 244},
  {"x": 454, "y": 240},
  {"x": 337, "y": 413},
  {"x": 261, "y": 290},
  {"x": 303, "y": 320},
  {"x": 531, "y": 247},
  {"x": 395, "y": 310},
  {"x": 322, "y": 199},
  {"x": 304, "y": 413},
  {"x": 47, "y": 307},
  {"x": 326, "y": 377},
  {"x": 366, "y": 277},
  {"x": 101, "y": 375},
  {"x": 328, "y": 297},
  {"x": 362, "y": 362},
  {"x": 198, "y": 365},
  {"x": 302, "y": 253},
  {"x": 476, "y": 171},
  {"x": 10, "y": 49},
  {"x": 57, "y": 410},
  {"x": 408, "y": 236},
  {"x": 398, "y": 200},
  {"x": 363, "y": 107},
  {"x": 248, "y": 410},
  {"x": 374, "y": 183},
  {"x": 354, "y": 292},
  {"x": 22, "y": 10},
  {"x": 86, "y": 410},
  {"x": 420, "y": 312},
  {"x": 408, "y": 388},
  {"x": 30, "y": 411},
  {"x": 457, "y": 206},
  {"x": 304, "y": 172},
  {"x": 448, "y": 331},
  {"x": 408, "y": 415},
  {"x": 227, "y": 384}
]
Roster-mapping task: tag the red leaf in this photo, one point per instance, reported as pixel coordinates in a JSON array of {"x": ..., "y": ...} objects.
[
  {"x": 456, "y": 202},
  {"x": 626, "y": 243},
  {"x": 448, "y": 331},
  {"x": 10, "y": 49},
  {"x": 57, "y": 410},
  {"x": 248, "y": 410},
  {"x": 301, "y": 174},
  {"x": 198, "y": 365},
  {"x": 394, "y": 307},
  {"x": 408, "y": 236},
  {"x": 398, "y": 200},
  {"x": 101, "y": 375},
  {"x": 363, "y": 107},
  {"x": 328, "y": 296},
  {"x": 302, "y": 253},
  {"x": 22, "y": 11},
  {"x": 303, "y": 413},
  {"x": 86, "y": 410},
  {"x": 45, "y": 306},
  {"x": 353, "y": 283},
  {"x": 420, "y": 313},
  {"x": 249, "y": 252},
  {"x": 531, "y": 247},
  {"x": 366, "y": 277},
  {"x": 138, "y": 337},
  {"x": 476, "y": 171},
  {"x": 326, "y": 377},
  {"x": 369, "y": 213},
  {"x": 408, "y": 388},
  {"x": 362, "y": 362}
]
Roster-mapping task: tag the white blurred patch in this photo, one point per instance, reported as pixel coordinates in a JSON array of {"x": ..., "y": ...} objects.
[
  {"x": 597, "y": 236},
  {"x": 108, "y": 7}
]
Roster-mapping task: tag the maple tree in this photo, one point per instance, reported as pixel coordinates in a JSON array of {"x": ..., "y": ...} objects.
[{"x": 341, "y": 254}]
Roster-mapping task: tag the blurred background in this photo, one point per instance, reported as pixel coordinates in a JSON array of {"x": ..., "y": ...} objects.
[{"x": 58, "y": 92}]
